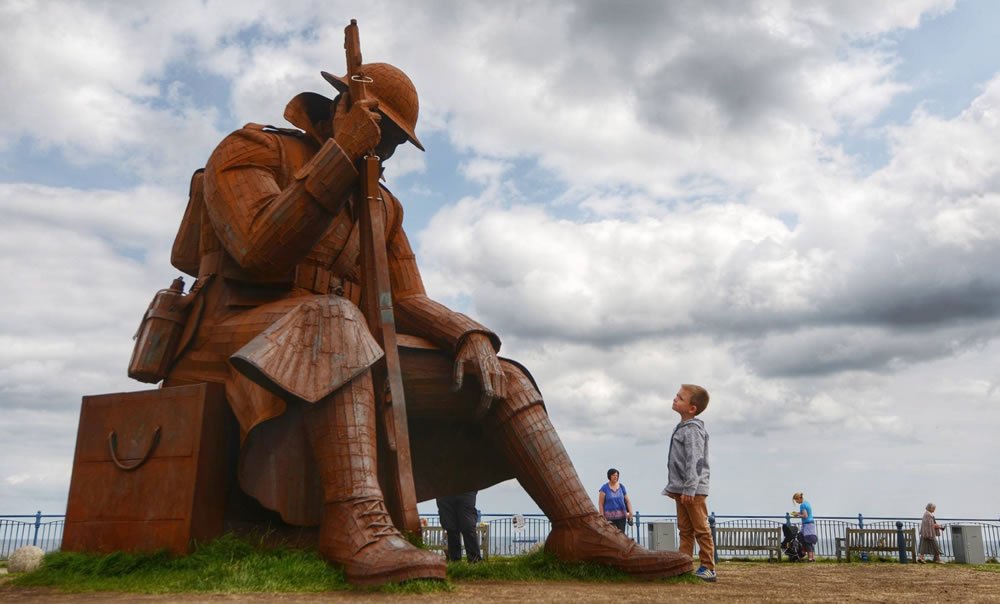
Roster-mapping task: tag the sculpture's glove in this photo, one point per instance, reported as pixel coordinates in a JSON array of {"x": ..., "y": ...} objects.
[
  {"x": 477, "y": 351},
  {"x": 357, "y": 130}
]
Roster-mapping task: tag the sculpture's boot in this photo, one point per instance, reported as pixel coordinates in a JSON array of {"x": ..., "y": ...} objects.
[
  {"x": 544, "y": 469},
  {"x": 356, "y": 530}
]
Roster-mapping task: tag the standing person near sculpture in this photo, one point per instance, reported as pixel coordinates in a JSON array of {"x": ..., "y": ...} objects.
[
  {"x": 688, "y": 477},
  {"x": 276, "y": 320},
  {"x": 613, "y": 501},
  {"x": 458, "y": 519},
  {"x": 809, "y": 536},
  {"x": 929, "y": 531}
]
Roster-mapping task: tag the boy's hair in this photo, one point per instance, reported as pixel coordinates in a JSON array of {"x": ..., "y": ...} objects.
[{"x": 699, "y": 396}]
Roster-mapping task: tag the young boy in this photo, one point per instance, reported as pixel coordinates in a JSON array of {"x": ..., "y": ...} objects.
[{"x": 687, "y": 467}]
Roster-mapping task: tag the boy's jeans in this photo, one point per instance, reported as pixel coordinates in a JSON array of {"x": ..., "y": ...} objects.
[{"x": 692, "y": 522}]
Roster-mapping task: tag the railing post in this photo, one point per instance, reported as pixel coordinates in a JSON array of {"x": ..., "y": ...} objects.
[
  {"x": 638, "y": 528},
  {"x": 711, "y": 524},
  {"x": 38, "y": 524},
  {"x": 901, "y": 541},
  {"x": 861, "y": 521}
]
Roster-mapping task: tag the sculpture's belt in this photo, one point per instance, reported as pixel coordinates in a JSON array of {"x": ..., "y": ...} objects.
[
  {"x": 316, "y": 279},
  {"x": 311, "y": 277}
]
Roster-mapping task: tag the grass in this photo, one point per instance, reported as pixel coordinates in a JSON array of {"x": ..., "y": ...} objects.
[
  {"x": 228, "y": 565},
  {"x": 242, "y": 565}
]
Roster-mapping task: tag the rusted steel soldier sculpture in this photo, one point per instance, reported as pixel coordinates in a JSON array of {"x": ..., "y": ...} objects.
[{"x": 275, "y": 246}]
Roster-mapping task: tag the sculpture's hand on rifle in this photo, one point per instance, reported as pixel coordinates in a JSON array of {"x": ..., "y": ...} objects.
[
  {"x": 357, "y": 130},
  {"x": 477, "y": 351}
]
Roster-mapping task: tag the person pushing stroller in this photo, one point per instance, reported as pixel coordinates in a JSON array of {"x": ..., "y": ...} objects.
[{"x": 808, "y": 535}]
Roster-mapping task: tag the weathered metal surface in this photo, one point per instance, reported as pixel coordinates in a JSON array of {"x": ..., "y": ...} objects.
[
  {"x": 324, "y": 327},
  {"x": 159, "y": 334},
  {"x": 397, "y": 468},
  {"x": 177, "y": 495}
]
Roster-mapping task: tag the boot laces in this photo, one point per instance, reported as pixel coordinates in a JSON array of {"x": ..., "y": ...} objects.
[{"x": 377, "y": 518}]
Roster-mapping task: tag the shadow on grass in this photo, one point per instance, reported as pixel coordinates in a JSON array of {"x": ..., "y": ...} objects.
[{"x": 542, "y": 566}]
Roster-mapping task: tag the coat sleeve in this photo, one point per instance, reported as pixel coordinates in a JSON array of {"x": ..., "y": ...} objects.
[
  {"x": 417, "y": 314},
  {"x": 264, "y": 226}
]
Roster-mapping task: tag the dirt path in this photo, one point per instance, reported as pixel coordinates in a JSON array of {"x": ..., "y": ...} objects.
[{"x": 738, "y": 582}]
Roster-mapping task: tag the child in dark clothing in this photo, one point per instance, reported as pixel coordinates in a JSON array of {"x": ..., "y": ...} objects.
[{"x": 688, "y": 474}]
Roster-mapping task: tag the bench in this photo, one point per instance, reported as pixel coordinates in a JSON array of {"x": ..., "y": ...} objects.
[
  {"x": 435, "y": 539},
  {"x": 744, "y": 539},
  {"x": 876, "y": 541}
]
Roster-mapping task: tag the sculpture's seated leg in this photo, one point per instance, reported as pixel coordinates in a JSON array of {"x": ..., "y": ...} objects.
[
  {"x": 356, "y": 530},
  {"x": 543, "y": 467},
  {"x": 359, "y": 535},
  {"x": 591, "y": 538}
]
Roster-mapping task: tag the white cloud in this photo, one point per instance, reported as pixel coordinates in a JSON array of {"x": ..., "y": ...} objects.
[
  {"x": 699, "y": 220},
  {"x": 882, "y": 281},
  {"x": 17, "y": 478}
]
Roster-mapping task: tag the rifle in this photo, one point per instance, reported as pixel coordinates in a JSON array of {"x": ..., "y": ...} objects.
[{"x": 395, "y": 467}]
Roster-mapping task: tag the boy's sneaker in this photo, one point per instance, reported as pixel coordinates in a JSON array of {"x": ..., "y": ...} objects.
[{"x": 705, "y": 574}]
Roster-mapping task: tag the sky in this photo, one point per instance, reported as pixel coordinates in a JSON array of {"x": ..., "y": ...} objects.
[{"x": 793, "y": 204}]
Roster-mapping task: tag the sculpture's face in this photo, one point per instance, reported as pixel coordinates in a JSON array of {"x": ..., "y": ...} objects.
[{"x": 392, "y": 137}]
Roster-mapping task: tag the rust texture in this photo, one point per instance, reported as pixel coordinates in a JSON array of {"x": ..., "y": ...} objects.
[
  {"x": 272, "y": 233},
  {"x": 169, "y": 485}
]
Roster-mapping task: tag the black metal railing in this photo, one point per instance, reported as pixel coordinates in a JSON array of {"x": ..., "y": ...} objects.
[{"x": 514, "y": 534}]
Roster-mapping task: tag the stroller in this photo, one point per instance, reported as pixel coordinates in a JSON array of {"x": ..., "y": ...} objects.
[{"x": 792, "y": 545}]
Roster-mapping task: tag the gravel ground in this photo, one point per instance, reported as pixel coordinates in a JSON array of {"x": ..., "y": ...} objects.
[{"x": 738, "y": 582}]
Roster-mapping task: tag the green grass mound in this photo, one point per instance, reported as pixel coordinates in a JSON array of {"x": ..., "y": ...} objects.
[
  {"x": 240, "y": 565},
  {"x": 228, "y": 565}
]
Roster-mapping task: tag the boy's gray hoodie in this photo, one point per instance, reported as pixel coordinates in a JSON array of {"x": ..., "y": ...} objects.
[{"x": 687, "y": 462}]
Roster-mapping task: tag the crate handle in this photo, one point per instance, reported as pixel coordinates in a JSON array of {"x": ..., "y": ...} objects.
[{"x": 113, "y": 446}]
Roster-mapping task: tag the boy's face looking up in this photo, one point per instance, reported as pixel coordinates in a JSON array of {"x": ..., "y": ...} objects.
[{"x": 682, "y": 404}]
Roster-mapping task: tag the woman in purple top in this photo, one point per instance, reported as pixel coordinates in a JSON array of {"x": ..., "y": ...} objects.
[{"x": 613, "y": 501}]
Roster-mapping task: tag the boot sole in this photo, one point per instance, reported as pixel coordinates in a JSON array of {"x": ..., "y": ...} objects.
[
  {"x": 645, "y": 565},
  {"x": 657, "y": 570},
  {"x": 398, "y": 576},
  {"x": 646, "y": 570}
]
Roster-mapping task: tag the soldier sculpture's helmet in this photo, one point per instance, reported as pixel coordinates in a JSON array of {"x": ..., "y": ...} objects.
[{"x": 397, "y": 98}]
